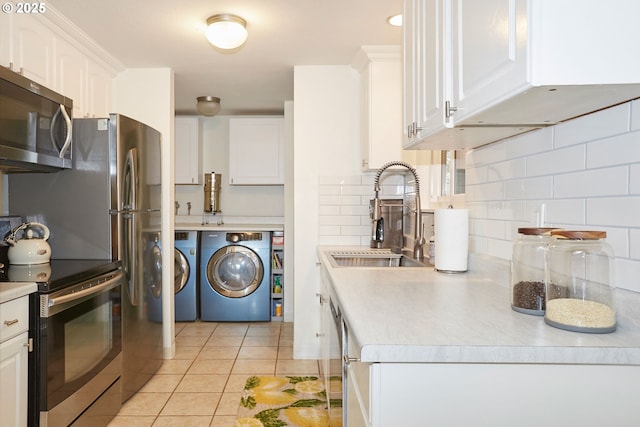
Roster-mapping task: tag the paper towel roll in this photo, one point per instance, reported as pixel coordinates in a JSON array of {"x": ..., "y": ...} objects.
[{"x": 451, "y": 229}]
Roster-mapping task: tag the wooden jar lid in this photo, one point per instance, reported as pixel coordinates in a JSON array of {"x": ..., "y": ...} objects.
[
  {"x": 579, "y": 234},
  {"x": 536, "y": 231}
]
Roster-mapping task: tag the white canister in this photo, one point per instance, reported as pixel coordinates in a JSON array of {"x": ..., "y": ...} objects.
[{"x": 451, "y": 240}]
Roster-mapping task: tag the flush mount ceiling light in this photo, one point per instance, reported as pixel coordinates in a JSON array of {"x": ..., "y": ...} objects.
[
  {"x": 208, "y": 105},
  {"x": 226, "y": 31},
  {"x": 395, "y": 20}
]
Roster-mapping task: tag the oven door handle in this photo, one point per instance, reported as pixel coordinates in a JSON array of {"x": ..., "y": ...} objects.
[{"x": 62, "y": 299}]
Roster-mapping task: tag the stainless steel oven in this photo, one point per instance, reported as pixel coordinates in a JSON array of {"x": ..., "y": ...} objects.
[{"x": 77, "y": 358}]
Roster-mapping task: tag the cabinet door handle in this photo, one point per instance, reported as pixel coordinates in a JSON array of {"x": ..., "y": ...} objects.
[
  {"x": 11, "y": 322},
  {"x": 413, "y": 129},
  {"x": 449, "y": 110}
]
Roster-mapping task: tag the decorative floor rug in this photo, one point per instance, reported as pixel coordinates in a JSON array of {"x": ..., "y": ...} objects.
[{"x": 290, "y": 402}]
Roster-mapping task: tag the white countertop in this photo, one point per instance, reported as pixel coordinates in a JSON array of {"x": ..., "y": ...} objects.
[
  {"x": 182, "y": 226},
  {"x": 13, "y": 290},
  {"x": 227, "y": 223},
  {"x": 417, "y": 315}
]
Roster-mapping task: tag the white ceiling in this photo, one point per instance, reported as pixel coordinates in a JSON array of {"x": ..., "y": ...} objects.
[{"x": 258, "y": 77}]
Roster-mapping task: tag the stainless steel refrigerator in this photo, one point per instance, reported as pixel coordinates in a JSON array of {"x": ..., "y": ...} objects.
[{"x": 108, "y": 207}]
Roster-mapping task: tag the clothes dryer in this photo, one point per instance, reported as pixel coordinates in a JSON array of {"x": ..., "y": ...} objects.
[{"x": 234, "y": 276}]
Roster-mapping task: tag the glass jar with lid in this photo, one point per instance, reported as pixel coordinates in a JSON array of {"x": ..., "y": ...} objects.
[
  {"x": 527, "y": 270},
  {"x": 579, "y": 285}
]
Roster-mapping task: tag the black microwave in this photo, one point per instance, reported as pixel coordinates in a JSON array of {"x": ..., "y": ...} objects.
[{"x": 35, "y": 126}]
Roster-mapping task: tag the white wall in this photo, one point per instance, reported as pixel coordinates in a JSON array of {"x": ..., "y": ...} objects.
[
  {"x": 586, "y": 172},
  {"x": 235, "y": 200},
  {"x": 326, "y": 135},
  {"x": 146, "y": 94}
]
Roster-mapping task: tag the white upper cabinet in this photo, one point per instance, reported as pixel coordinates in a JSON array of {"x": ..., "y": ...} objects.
[
  {"x": 380, "y": 69},
  {"x": 256, "y": 151},
  {"x": 71, "y": 76},
  {"x": 5, "y": 40},
  {"x": 188, "y": 167},
  {"x": 423, "y": 83},
  {"x": 505, "y": 67},
  {"x": 51, "y": 51},
  {"x": 32, "y": 49},
  {"x": 99, "y": 90}
]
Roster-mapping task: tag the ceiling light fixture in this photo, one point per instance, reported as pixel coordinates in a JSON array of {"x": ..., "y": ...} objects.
[
  {"x": 208, "y": 105},
  {"x": 395, "y": 20},
  {"x": 226, "y": 31}
]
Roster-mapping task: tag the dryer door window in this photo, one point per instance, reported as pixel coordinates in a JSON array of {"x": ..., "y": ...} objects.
[
  {"x": 181, "y": 271},
  {"x": 235, "y": 271}
]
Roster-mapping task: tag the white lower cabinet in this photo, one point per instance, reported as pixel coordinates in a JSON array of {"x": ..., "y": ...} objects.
[
  {"x": 14, "y": 348},
  {"x": 13, "y": 381},
  {"x": 488, "y": 395},
  {"x": 358, "y": 396}
]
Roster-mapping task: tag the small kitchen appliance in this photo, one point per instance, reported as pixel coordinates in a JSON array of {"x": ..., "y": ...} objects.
[
  {"x": 28, "y": 244},
  {"x": 212, "y": 182},
  {"x": 35, "y": 126}
]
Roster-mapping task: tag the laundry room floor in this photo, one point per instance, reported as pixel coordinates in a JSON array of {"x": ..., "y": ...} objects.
[{"x": 203, "y": 384}]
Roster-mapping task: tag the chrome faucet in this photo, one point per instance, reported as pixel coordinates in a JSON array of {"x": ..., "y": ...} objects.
[{"x": 377, "y": 221}]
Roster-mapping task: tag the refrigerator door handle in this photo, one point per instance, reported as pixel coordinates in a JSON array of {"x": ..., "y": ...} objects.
[
  {"x": 129, "y": 231},
  {"x": 129, "y": 181}
]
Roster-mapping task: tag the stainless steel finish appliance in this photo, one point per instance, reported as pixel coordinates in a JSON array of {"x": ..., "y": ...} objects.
[
  {"x": 35, "y": 126},
  {"x": 76, "y": 362},
  {"x": 212, "y": 182},
  {"x": 106, "y": 207}
]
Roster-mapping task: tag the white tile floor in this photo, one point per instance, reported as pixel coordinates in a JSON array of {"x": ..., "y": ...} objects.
[{"x": 203, "y": 384}]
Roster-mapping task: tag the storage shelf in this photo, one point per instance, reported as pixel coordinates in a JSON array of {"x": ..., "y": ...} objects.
[{"x": 277, "y": 274}]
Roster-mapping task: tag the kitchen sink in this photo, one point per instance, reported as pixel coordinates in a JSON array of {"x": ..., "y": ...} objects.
[{"x": 372, "y": 258}]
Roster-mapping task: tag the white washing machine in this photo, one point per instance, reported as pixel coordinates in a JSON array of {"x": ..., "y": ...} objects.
[{"x": 234, "y": 276}]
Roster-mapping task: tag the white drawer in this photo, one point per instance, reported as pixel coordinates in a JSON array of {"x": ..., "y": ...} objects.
[{"x": 14, "y": 317}]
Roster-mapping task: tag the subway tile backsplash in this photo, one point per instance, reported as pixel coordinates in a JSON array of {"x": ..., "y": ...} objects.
[
  {"x": 582, "y": 174},
  {"x": 344, "y": 206}
]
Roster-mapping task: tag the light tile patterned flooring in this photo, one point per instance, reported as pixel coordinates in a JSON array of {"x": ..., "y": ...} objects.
[{"x": 202, "y": 385}]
